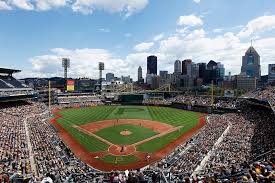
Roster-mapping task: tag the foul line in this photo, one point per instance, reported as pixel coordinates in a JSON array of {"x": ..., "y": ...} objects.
[{"x": 135, "y": 144}]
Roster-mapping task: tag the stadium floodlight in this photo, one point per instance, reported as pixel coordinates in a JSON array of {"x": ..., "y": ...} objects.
[
  {"x": 65, "y": 65},
  {"x": 100, "y": 68}
]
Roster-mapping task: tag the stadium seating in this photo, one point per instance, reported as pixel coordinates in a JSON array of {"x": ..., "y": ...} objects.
[
  {"x": 11, "y": 82},
  {"x": 3, "y": 85},
  {"x": 231, "y": 147}
]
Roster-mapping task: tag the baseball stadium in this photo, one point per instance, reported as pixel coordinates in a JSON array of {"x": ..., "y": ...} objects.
[
  {"x": 125, "y": 137},
  {"x": 127, "y": 133}
]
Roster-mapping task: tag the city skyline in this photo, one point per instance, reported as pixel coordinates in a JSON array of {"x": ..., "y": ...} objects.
[{"x": 36, "y": 36}]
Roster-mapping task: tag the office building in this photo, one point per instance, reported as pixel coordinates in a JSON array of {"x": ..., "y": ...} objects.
[
  {"x": 184, "y": 65},
  {"x": 193, "y": 70},
  {"x": 139, "y": 73},
  {"x": 251, "y": 63},
  {"x": 149, "y": 78},
  {"x": 271, "y": 73},
  {"x": 177, "y": 66},
  {"x": 110, "y": 77},
  {"x": 202, "y": 70},
  {"x": 152, "y": 65},
  {"x": 155, "y": 82},
  {"x": 246, "y": 83}
]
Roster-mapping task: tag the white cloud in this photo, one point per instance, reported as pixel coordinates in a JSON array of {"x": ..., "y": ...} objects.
[
  {"x": 22, "y": 4},
  {"x": 197, "y": 1},
  {"x": 158, "y": 37},
  {"x": 143, "y": 46},
  {"x": 124, "y": 7},
  {"x": 44, "y": 5},
  {"x": 258, "y": 25},
  {"x": 190, "y": 20},
  {"x": 4, "y": 6},
  {"x": 83, "y": 61},
  {"x": 128, "y": 7}
]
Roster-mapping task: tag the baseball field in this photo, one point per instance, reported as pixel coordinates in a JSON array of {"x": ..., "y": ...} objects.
[{"x": 125, "y": 137}]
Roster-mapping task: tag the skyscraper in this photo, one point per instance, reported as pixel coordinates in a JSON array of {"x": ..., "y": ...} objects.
[
  {"x": 177, "y": 66},
  {"x": 202, "y": 70},
  {"x": 152, "y": 65},
  {"x": 251, "y": 63},
  {"x": 139, "y": 73},
  {"x": 184, "y": 66}
]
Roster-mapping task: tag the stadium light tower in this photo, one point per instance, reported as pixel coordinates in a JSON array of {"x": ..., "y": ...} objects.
[
  {"x": 100, "y": 68},
  {"x": 65, "y": 65}
]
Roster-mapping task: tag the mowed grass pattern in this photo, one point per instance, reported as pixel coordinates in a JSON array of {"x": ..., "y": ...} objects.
[
  {"x": 174, "y": 117},
  {"x": 120, "y": 160},
  {"x": 112, "y": 134}
]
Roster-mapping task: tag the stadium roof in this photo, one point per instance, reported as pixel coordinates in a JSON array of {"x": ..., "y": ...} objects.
[{"x": 8, "y": 71}]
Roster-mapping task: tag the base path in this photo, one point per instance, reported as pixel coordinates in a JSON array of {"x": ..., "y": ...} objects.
[
  {"x": 154, "y": 125},
  {"x": 93, "y": 158}
]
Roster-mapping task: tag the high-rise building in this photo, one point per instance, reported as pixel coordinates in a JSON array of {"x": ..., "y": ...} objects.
[
  {"x": 193, "y": 70},
  {"x": 245, "y": 82},
  {"x": 251, "y": 63},
  {"x": 155, "y": 82},
  {"x": 152, "y": 65},
  {"x": 177, "y": 66},
  {"x": 139, "y": 73},
  {"x": 211, "y": 72},
  {"x": 110, "y": 77},
  {"x": 184, "y": 65},
  {"x": 271, "y": 73},
  {"x": 202, "y": 70}
]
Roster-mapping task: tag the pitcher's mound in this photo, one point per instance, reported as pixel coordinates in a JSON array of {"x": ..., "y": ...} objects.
[{"x": 125, "y": 132}]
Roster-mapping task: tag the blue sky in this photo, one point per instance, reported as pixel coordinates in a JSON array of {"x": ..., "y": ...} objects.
[{"x": 36, "y": 34}]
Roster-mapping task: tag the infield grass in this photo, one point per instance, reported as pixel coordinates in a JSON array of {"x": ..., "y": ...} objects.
[{"x": 112, "y": 134}]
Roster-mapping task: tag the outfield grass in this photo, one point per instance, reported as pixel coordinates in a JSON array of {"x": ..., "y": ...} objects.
[
  {"x": 120, "y": 160},
  {"x": 80, "y": 116},
  {"x": 112, "y": 134}
]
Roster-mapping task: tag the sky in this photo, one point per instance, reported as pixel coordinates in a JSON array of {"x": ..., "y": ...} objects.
[{"x": 36, "y": 34}]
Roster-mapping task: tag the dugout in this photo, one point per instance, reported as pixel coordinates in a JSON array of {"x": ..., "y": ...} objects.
[{"x": 131, "y": 98}]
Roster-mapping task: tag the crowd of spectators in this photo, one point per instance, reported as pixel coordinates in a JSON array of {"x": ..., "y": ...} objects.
[
  {"x": 16, "y": 92},
  {"x": 51, "y": 156},
  {"x": 14, "y": 154},
  {"x": 77, "y": 105},
  {"x": 261, "y": 94},
  {"x": 156, "y": 101},
  {"x": 193, "y": 100},
  {"x": 230, "y": 103},
  {"x": 187, "y": 157},
  {"x": 77, "y": 99}
]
